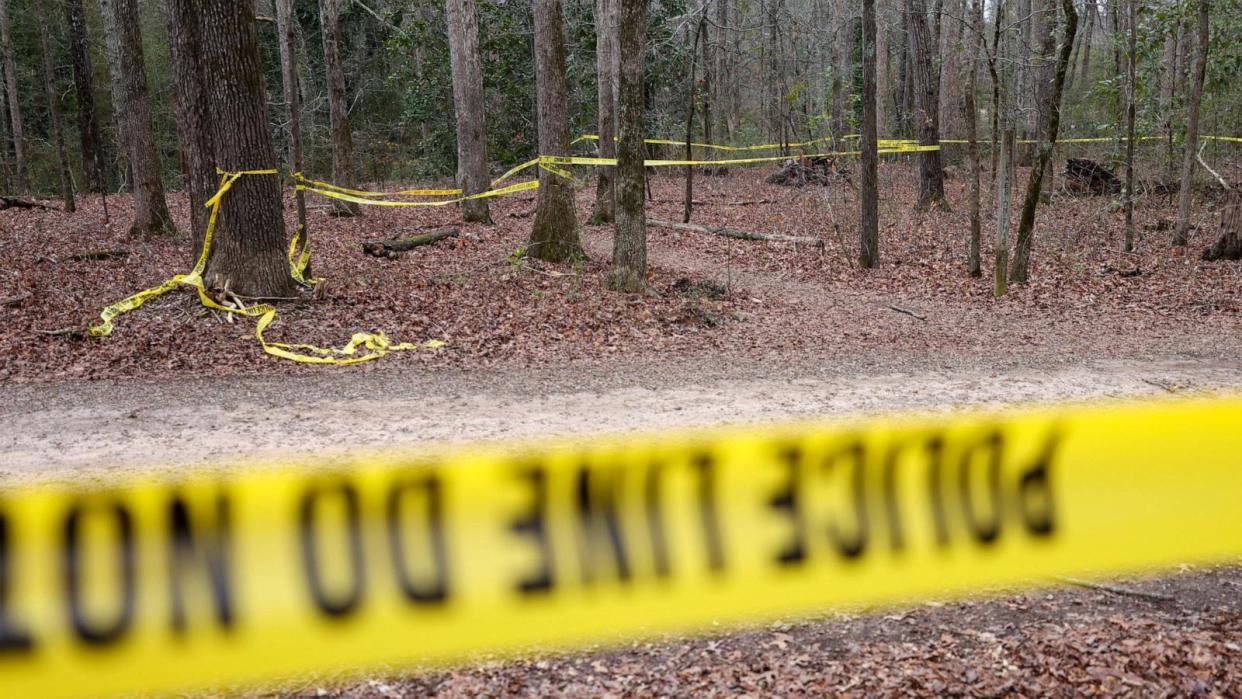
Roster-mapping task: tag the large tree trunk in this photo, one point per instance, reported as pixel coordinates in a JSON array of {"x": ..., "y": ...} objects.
[
  {"x": 193, "y": 115},
  {"x": 467, "y": 67},
  {"x": 927, "y": 110},
  {"x": 1192, "y": 131},
  {"x": 1229, "y": 245},
  {"x": 1020, "y": 271},
  {"x": 248, "y": 253},
  {"x": 343, "y": 173},
  {"x": 869, "y": 216},
  {"x": 883, "y": 93},
  {"x": 606, "y": 69},
  {"x": 84, "y": 89},
  {"x": 287, "y": 28},
  {"x": 52, "y": 93},
  {"x": 629, "y": 244},
  {"x": 134, "y": 118},
  {"x": 21, "y": 183},
  {"x": 554, "y": 235},
  {"x": 1004, "y": 78}
]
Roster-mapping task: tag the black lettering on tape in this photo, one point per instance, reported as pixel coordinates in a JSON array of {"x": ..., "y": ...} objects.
[
  {"x": 534, "y": 523},
  {"x": 91, "y": 631},
  {"x": 788, "y": 501},
  {"x": 935, "y": 458},
  {"x": 709, "y": 514},
  {"x": 13, "y": 638},
  {"x": 430, "y": 489},
  {"x": 652, "y": 493},
  {"x": 599, "y": 524},
  {"x": 210, "y": 545},
  {"x": 1035, "y": 500},
  {"x": 344, "y": 602},
  {"x": 991, "y": 447},
  {"x": 851, "y": 547},
  {"x": 892, "y": 506}
]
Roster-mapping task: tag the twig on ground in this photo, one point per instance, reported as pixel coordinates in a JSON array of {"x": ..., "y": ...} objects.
[
  {"x": 75, "y": 333},
  {"x": 1161, "y": 384},
  {"x": 1124, "y": 591},
  {"x": 908, "y": 312},
  {"x": 14, "y": 301},
  {"x": 735, "y": 233}
]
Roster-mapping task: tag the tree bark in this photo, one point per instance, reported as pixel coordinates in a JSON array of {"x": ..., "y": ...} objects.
[
  {"x": 1131, "y": 60},
  {"x": 1229, "y": 245},
  {"x": 869, "y": 197},
  {"x": 130, "y": 84},
  {"x": 193, "y": 115},
  {"x": 248, "y": 253},
  {"x": 21, "y": 183},
  {"x": 606, "y": 14},
  {"x": 1020, "y": 271},
  {"x": 554, "y": 235},
  {"x": 970, "y": 115},
  {"x": 343, "y": 173},
  {"x": 1086, "y": 43},
  {"x": 629, "y": 244},
  {"x": 883, "y": 96},
  {"x": 84, "y": 89},
  {"x": 691, "y": 97},
  {"x": 287, "y": 29},
  {"x": 927, "y": 110},
  {"x": 52, "y": 93},
  {"x": 463, "y": 29},
  {"x": 1182, "y": 230}
]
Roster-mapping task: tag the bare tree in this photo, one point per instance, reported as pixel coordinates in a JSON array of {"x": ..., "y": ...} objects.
[
  {"x": 1003, "y": 78},
  {"x": 287, "y": 28},
  {"x": 970, "y": 117},
  {"x": 193, "y": 115},
  {"x": 1131, "y": 78},
  {"x": 1182, "y": 228},
  {"x": 629, "y": 245},
  {"x": 554, "y": 235},
  {"x": 248, "y": 254},
  {"x": 129, "y": 79},
  {"x": 606, "y": 69},
  {"x": 52, "y": 92},
  {"x": 338, "y": 108},
  {"x": 15, "y": 106},
  {"x": 84, "y": 90},
  {"x": 927, "y": 112},
  {"x": 869, "y": 217},
  {"x": 467, "y": 68}
]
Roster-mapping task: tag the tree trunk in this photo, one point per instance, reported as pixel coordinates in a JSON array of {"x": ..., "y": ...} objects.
[
  {"x": 927, "y": 111},
  {"x": 554, "y": 234},
  {"x": 606, "y": 76},
  {"x": 721, "y": 74},
  {"x": 1131, "y": 60},
  {"x": 1086, "y": 44},
  {"x": 193, "y": 115},
  {"x": 463, "y": 30},
  {"x": 287, "y": 29},
  {"x": 950, "y": 89},
  {"x": 343, "y": 174},
  {"x": 691, "y": 95},
  {"x": 21, "y": 183},
  {"x": 629, "y": 244},
  {"x": 869, "y": 197},
  {"x": 1168, "y": 91},
  {"x": 883, "y": 93},
  {"x": 248, "y": 253},
  {"x": 1229, "y": 245},
  {"x": 84, "y": 89},
  {"x": 52, "y": 92},
  {"x": 1004, "y": 78},
  {"x": 1192, "y": 131},
  {"x": 134, "y": 119},
  {"x": 970, "y": 116},
  {"x": 1020, "y": 271}
]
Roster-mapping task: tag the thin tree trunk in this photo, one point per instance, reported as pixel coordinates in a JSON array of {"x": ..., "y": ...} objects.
[
  {"x": 193, "y": 115},
  {"x": 606, "y": 76},
  {"x": 287, "y": 29},
  {"x": 343, "y": 172},
  {"x": 629, "y": 246},
  {"x": 1020, "y": 271},
  {"x": 721, "y": 75},
  {"x": 950, "y": 89},
  {"x": 1086, "y": 43},
  {"x": 17, "y": 130},
  {"x": 52, "y": 92},
  {"x": 84, "y": 89},
  {"x": 1004, "y": 78},
  {"x": 869, "y": 197},
  {"x": 248, "y": 253},
  {"x": 1168, "y": 92},
  {"x": 554, "y": 234},
  {"x": 130, "y": 85},
  {"x": 927, "y": 113},
  {"x": 467, "y": 67},
  {"x": 971, "y": 118},
  {"x": 1192, "y": 131},
  {"x": 1131, "y": 60},
  {"x": 883, "y": 92},
  {"x": 691, "y": 95}
]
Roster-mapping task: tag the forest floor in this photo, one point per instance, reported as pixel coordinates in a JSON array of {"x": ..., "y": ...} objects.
[{"x": 733, "y": 332}]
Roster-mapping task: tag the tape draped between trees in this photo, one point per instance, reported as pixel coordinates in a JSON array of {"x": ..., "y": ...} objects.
[{"x": 332, "y": 566}]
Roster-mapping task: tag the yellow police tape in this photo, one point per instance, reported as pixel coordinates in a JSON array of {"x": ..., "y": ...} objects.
[
  {"x": 373, "y": 564},
  {"x": 376, "y": 344},
  {"x": 766, "y": 146}
]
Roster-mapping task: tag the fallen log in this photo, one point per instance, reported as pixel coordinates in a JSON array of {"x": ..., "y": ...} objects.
[
  {"x": 15, "y": 203},
  {"x": 392, "y": 247},
  {"x": 737, "y": 233}
]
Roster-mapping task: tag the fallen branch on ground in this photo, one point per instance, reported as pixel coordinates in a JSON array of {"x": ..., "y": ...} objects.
[
  {"x": 1125, "y": 591},
  {"x": 14, "y": 301},
  {"x": 15, "y": 203},
  {"x": 908, "y": 312},
  {"x": 736, "y": 233},
  {"x": 390, "y": 248},
  {"x": 75, "y": 333}
]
